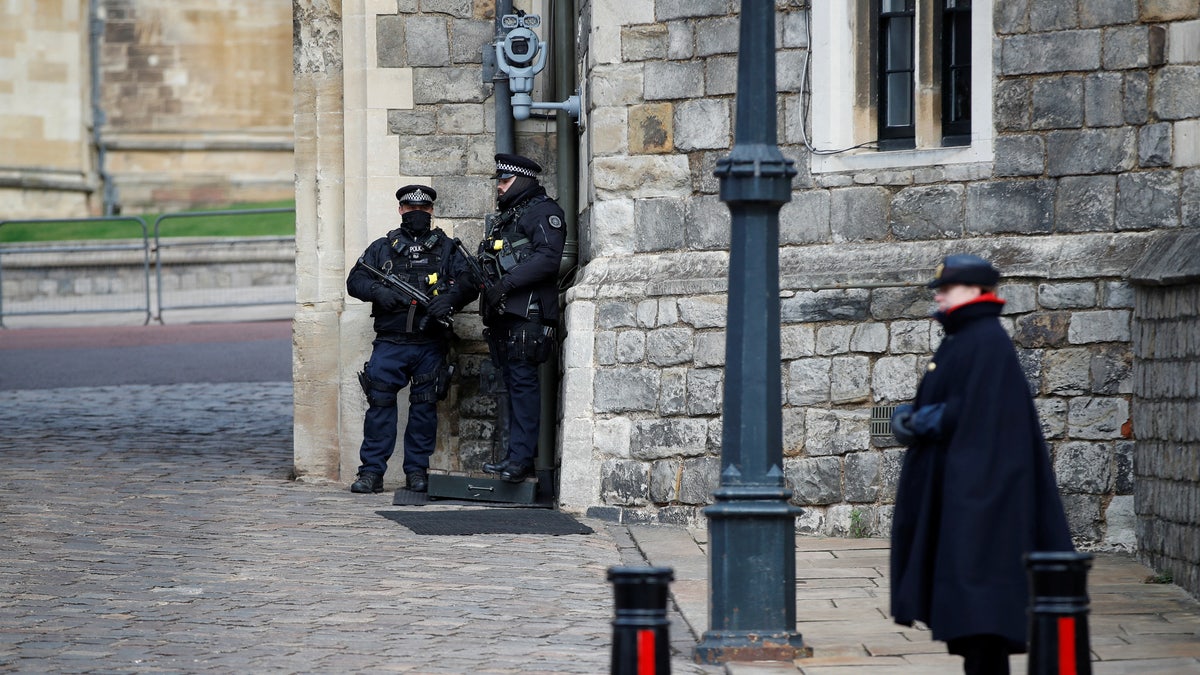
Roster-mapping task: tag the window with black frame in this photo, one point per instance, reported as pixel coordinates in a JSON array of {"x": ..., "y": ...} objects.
[
  {"x": 956, "y": 71},
  {"x": 896, "y": 24}
]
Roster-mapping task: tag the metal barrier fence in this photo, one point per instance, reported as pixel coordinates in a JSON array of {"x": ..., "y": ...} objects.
[{"x": 113, "y": 276}]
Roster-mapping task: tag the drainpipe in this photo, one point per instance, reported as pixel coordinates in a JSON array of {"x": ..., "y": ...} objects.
[
  {"x": 95, "y": 33},
  {"x": 505, "y": 124},
  {"x": 562, "y": 41}
]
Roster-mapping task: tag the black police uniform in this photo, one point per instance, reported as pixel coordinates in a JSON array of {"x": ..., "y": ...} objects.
[
  {"x": 976, "y": 490},
  {"x": 521, "y": 257},
  {"x": 411, "y": 344}
]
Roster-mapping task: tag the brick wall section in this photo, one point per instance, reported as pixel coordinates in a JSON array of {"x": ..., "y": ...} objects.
[{"x": 1166, "y": 379}]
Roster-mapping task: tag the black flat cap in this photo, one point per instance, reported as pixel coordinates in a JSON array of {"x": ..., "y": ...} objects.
[
  {"x": 515, "y": 165},
  {"x": 966, "y": 269},
  {"x": 417, "y": 195}
]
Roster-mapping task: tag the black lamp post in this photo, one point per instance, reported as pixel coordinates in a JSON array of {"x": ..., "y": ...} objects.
[{"x": 751, "y": 524}]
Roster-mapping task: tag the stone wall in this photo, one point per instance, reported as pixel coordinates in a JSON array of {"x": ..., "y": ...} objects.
[
  {"x": 1093, "y": 155},
  {"x": 1090, "y": 154},
  {"x": 1166, "y": 387}
]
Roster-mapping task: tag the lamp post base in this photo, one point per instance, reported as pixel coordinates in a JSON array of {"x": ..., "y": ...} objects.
[{"x": 723, "y": 646}]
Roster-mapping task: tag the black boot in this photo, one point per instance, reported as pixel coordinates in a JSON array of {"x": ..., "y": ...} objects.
[
  {"x": 515, "y": 473},
  {"x": 497, "y": 467},
  {"x": 367, "y": 482},
  {"x": 417, "y": 481}
]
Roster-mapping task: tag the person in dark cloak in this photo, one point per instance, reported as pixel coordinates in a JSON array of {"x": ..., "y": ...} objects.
[{"x": 976, "y": 490}]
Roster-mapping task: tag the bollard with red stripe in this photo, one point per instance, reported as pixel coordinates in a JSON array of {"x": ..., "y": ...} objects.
[
  {"x": 1058, "y": 627},
  {"x": 641, "y": 641}
]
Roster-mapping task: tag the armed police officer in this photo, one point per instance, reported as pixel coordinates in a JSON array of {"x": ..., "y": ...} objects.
[
  {"x": 415, "y": 279},
  {"x": 520, "y": 256}
]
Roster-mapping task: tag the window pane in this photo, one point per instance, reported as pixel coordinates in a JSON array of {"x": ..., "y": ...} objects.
[
  {"x": 899, "y": 100},
  {"x": 960, "y": 95},
  {"x": 899, "y": 44},
  {"x": 887, "y": 6}
]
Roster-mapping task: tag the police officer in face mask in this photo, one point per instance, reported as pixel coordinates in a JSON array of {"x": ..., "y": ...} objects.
[
  {"x": 412, "y": 336},
  {"x": 521, "y": 255}
]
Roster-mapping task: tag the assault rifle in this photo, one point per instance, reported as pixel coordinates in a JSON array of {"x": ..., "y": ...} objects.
[
  {"x": 417, "y": 297},
  {"x": 482, "y": 280}
]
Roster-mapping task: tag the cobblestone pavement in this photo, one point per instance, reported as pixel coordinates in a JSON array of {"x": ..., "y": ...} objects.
[{"x": 154, "y": 529}]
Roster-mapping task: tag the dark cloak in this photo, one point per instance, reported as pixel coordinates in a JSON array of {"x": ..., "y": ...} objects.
[{"x": 971, "y": 505}]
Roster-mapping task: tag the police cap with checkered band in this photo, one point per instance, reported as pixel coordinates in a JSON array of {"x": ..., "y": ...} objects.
[
  {"x": 416, "y": 195},
  {"x": 508, "y": 165}
]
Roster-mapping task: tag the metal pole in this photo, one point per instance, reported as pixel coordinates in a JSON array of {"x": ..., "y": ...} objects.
[
  {"x": 751, "y": 524},
  {"x": 641, "y": 629},
  {"x": 1058, "y": 625},
  {"x": 505, "y": 124}
]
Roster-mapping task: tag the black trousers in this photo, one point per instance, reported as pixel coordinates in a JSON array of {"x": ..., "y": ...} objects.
[{"x": 982, "y": 654}]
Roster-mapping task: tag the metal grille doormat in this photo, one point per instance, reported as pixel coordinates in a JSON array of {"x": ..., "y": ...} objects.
[{"x": 487, "y": 521}]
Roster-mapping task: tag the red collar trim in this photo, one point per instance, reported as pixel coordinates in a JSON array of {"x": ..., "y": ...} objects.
[{"x": 983, "y": 298}]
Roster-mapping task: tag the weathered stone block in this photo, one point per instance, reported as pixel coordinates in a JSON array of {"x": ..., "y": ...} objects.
[
  {"x": 682, "y": 40},
  {"x": 1085, "y": 204},
  {"x": 826, "y": 305},
  {"x": 624, "y": 483},
  {"x": 616, "y": 314},
  {"x": 666, "y": 10},
  {"x": 704, "y": 391},
  {"x": 389, "y": 41},
  {"x": 1083, "y": 515},
  {"x": 1097, "y": 418},
  {"x": 1065, "y": 372},
  {"x": 644, "y": 42},
  {"x": 814, "y": 481},
  {"x": 1136, "y": 105},
  {"x": 1112, "y": 370},
  {"x": 1126, "y": 47},
  {"x": 1023, "y": 206},
  {"x": 1012, "y": 17},
  {"x": 709, "y": 350},
  {"x": 669, "y": 346},
  {"x": 448, "y": 85},
  {"x": 1116, "y": 295},
  {"x": 1052, "y": 413},
  {"x": 460, "y": 118},
  {"x": 1154, "y": 145},
  {"x": 904, "y": 302},
  {"x": 808, "y": 381},
  {"x": 1090, "y": 151},
  {"x": 837, "y": 432},
  {"x": 702, "y": 124},
  {"x": 796, "y": 342},
  {"x": 631, "y": 346},
  {"x": 428, "y": 43},
  {"x": 698, "y": 479},
  {"x": 659, "y": 224},
  {"x": 1042, "y": 329},
  {"x": 612, "y": 437},
  {"x": 910, "y": 337},
  {"x": 433, "y": 156},
  {"x": 895, "y": 379},
  {"x": 704, "y": 311},
  {"x": 1013, "y": 105},
  {"x": 929, "y": 212},
  {"x": 606, "y": 347},
  {"x": 720, "y": 76},
  {"x": 672, "y": 79},
  {"x": 617, "y": 85},
  {"x": 1106, "y": 13},
  {"x": 416, "y": 122},
  {"x": 717, "y": 36},
  {"x": 1084, "y": 467},
  {"x": 1018, "y": 298},
  {"x": 850, "y": 378},
  {"x": 1058, "y": 102},
  {"x": 1111, "y": 325},
  {"x": 463, "y": 9},
  {"x": 1052, "y": 16},
  {"x": 707, "y": 226},
  {"x": 626, "y": 389},
  {"x": 674, "y": 437},
  {"x": 466, "y": 39},
  {"x": 858, "y": 214},
  {"x": 1102, "y": 94},
  {"x": 1031, "y": 366},
  {"x": 641, "y": 176},
  {"x": 805, "y": 219},
  {"x": 1020, "y": 155},
  {"x": 672, "y": 398},
  {"x": 1190, "y": 197},
  {"x": 664, "y": 481},
  {"x": 1175, "y": 90},
  {"x": 1067, "y": 295},
  {"x": 651, "y": 130},
  {"x": 1147, "y": 200},
  {"x": 869, "y": 337},
  {"x": 1052, "y": 52},
  {"x": 862, "y": 476},
  {"x": 793, "y": 431},
  {"x": 834, "y": 339},
  {"x": 1123, "y": 476}
]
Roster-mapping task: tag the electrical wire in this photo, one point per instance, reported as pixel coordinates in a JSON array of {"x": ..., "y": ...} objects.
[{"x": 806, "y": 95}]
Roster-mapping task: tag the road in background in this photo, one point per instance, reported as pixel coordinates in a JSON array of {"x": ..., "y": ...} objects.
[{"x": 54, "y": 358}]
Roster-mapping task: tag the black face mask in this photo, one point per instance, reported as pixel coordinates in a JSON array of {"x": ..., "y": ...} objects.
[
  {"x": 417, "y": 222},
  {"x": 516, "y": 191}
]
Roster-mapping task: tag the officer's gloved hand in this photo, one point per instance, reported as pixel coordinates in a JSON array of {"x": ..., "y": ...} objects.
[
  {"x": 390, "y": 299},
  {"x": 494, "y": 295},
  {"x": 440, "y": 307},
  {"x": 926, "y": 421},
  {"x": 900, "y": 421}
]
